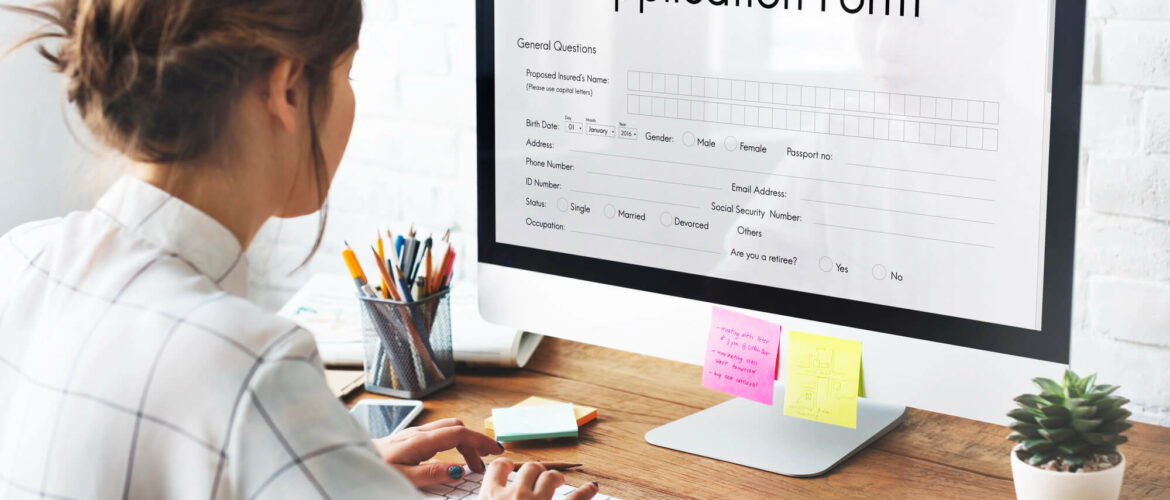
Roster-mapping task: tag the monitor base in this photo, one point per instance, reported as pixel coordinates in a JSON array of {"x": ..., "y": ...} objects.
[{"x": 762, "y": 437}]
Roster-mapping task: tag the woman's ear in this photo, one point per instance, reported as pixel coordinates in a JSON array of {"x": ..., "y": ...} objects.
[{"x": 282, "y": 92}]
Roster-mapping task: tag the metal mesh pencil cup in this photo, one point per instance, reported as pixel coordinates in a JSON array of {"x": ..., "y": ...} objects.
[{"x": 408, "y": 345}]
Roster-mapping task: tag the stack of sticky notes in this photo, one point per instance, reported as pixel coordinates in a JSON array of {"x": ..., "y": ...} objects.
[{"x": 538, "y": 418}]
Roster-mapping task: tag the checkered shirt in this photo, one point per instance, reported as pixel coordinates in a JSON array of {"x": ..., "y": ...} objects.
[{"x": 132, "y": 366}]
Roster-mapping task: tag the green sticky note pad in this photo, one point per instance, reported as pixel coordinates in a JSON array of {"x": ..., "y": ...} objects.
[{"x": 521, "y": 423}]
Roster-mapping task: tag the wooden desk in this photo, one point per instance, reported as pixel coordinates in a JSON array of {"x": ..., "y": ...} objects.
[{"x": 928, "y": 456}]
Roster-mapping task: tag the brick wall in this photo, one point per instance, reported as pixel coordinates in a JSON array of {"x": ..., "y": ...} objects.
[{"x": 412, "y": 158}]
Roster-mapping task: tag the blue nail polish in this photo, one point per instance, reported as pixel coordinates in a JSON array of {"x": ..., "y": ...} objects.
[{"x": 455, "y": 472}]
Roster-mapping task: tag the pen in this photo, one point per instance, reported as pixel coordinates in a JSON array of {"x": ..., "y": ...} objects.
[{"x": 419, "y": 259}]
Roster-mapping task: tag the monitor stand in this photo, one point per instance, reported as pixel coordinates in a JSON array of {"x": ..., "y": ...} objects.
[{"x": 759, "y": 436}]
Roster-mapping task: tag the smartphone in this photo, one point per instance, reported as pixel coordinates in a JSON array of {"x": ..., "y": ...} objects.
[{"x": 383, "y": 417}]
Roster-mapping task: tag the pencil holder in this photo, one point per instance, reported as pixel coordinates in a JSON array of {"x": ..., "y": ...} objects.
[{"x": 408, "y": 346}]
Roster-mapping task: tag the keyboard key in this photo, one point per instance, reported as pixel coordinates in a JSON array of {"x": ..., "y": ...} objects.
[{"x": 438, "y": 489}]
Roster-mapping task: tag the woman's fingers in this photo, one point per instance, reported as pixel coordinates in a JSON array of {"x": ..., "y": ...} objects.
[
  {"x": 431, "y": 474},
  {"x": 439, "y": 424},
  {"x": 472, "y": 456},
  {"x": 547, "y": 484},
  {"x": 526, "y": 478},
  {"x": 428, "y": 443},
  {"x": 585, "y": 492},
  {"x": 496, "y": 477}
]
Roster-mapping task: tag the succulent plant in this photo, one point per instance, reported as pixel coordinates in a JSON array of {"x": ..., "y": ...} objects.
[{"x": 1071, "y": 422}]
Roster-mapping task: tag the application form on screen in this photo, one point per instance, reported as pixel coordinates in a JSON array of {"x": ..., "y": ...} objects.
[{"x": 889, "y": 153}]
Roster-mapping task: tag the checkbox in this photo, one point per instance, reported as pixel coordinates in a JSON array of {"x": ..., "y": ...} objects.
[
  {"x": 632, "y": 80},
  {"x": 659, "y": 106},
  {"x": 974, "y": 138},
  {"x": 725, "y": 89},
  {"x": 724, "y": 113},
  {"x": 991, "y": 113},
  {"x": 929, "y": 107},
  {"x": 959, "y": 111},
  {"x": 684, "y": 109},
  {"x": 822, "y": 123},
  {"x": 836, "y": 125},
  {"x": 645, "y": 82},
  {"x": 926, "y": 133},
  {"x": 765, "y": 92},
  {"x": 752, "y": 92},
  {"x": 751, "y": 116},
  {"x": 990, "y": 140},
  {"x": 959, "y": 137},
  {"x": 881, "y": 103},
  {"x": 807, "y": 121},
  {"x": 672, "y": 84},
  {"x": 659, "y": 82},
  {"x": 737, "y": 115},
  {"x": 738, "y": 90},
  {"x": 713, "y": 87},
  {"x": 865, "y": 127},
  {"x": 697, "y": 86},
  {"x": 837, "y": 99},
  {"x": 672, "y": 108},
  {"x": 779, "y": 94},
  {"x": 912, "y": 132},
  {"x": 867, "y": 102},
  {"x": 881, "y": 129},
  {"x": 711, "y": 112},
  {"x": 913, "y": 106},
  {"x": 795, "y": 95},
  {"x": 632, "y": 105},
  {"x": 975, "y": 112},
  {"x": 851, "y": 126},
  {"x": 944, "y": 108},
  {"x": 897, "y": 130},
  {"x": 823, "y": 97},
  {"x": 898, "y": 105},
  {"x": 852, "y": 100},
  {"x": 765, "y": 115},
  {"x": 645, "y": 105}
]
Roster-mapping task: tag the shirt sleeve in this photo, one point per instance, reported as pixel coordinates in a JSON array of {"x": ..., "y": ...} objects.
[{"x": 293, "y": 439}]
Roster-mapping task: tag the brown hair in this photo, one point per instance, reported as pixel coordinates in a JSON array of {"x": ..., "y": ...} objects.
[{"x": 157, "y": 79}]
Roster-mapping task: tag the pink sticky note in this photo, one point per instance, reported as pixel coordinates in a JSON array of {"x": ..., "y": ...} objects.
[{"x": 741, "y": 356}]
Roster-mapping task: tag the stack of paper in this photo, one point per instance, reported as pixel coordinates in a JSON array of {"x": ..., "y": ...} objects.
[
  {"x": 583, "y": 414},
  {"x": 521, "y": 423}
]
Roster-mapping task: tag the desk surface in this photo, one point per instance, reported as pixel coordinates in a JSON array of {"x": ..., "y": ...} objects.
[{"x": 929, "y": 456}]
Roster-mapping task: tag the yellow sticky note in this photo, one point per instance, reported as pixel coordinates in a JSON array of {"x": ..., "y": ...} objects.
[{"x": 822, "y": 379}]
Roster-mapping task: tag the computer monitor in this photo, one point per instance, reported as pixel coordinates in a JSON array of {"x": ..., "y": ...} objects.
[{"x": 901, "y": 173}]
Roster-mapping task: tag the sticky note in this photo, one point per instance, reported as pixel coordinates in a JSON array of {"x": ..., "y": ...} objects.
[
  {"x": 741, "y": 356},
  {"x": 520, "y": 423},
  {"x": 584, "y": 414},
  {"x": 822, "y": 379}
]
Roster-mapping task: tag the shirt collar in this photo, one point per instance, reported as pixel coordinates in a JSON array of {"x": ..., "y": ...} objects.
[{"x": 170, "y": 223}]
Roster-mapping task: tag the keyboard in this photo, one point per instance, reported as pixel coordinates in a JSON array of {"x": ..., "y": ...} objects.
[{"x": 469, "y": 488}]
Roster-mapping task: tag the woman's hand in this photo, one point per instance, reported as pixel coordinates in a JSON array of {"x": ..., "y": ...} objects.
[
  {"x": 407, "y": 449},
  {"x": 533, "y": 482}
]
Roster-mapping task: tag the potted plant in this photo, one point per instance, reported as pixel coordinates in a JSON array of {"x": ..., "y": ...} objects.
[{"x": 1068, "y": 437}]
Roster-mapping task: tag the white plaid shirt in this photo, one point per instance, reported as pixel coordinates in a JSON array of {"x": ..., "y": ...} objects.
[{"x": 132, "y": 366}]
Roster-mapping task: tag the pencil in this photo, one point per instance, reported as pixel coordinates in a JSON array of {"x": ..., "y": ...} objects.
[
  {"x": 387, "y": 290},
  {"x": 547, "y": 465},
  {"x": 380, "y": 256},
  {"x": 430, "y": 270}
]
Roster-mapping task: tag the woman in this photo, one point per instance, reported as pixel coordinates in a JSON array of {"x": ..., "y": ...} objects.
[{"x": 131, "y": 365}]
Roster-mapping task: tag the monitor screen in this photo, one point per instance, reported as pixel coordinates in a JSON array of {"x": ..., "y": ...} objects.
[{"x": 895, "y": 166}]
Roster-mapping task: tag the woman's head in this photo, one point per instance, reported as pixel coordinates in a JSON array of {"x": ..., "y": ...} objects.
[{"x": 164, "y": 81}]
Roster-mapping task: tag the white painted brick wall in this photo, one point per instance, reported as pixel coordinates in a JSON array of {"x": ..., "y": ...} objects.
[{"x": 412, "y": 157}]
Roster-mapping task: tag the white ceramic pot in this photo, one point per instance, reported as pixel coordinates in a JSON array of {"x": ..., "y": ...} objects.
[{"x": 1040, "y": 484}]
